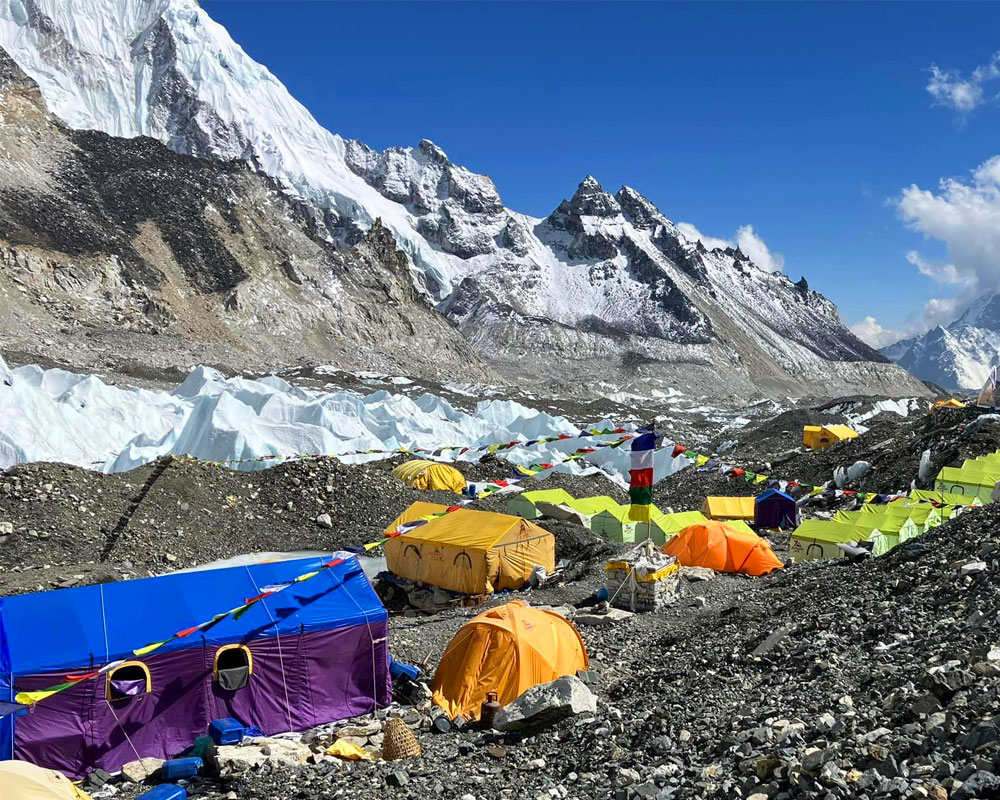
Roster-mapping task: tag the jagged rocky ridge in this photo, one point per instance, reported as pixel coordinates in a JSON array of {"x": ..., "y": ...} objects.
[{"x": 605, "y": 285}]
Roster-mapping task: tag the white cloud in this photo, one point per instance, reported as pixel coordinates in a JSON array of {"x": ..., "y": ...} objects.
[
  {"x": 692, "y": 234},
  {"x": 872, "y": 333},
  {"x": 938, "y": 311},
  {"x": 942, "y": 273},
  {"x": 965, "y": 217},
  {"x": 962, "y": 94},
  {"x": 746, "y": 239}
]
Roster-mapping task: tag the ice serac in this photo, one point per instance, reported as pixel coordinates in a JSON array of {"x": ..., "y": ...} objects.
[{"x": 604, "y": 287}]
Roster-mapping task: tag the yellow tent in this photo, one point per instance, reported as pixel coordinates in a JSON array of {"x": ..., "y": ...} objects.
[
  {"x": 728, "y": 508},
  {"x": 473, "y": 552},
  {"x": 20, "y": 780},
  {"x": 506, "y": 650},
  {"x": 819, "y": 436},
  {"x": 810, "y": 434},
  {"x": 950, "y": 403},
  {"x": 418, "y": 510},
  {"x": 430, "y": 475}
]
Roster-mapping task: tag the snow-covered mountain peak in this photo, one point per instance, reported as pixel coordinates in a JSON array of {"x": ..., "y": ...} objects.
[
  {"x": 982, "y": 313},
  {"x": 605, "y": 278}
]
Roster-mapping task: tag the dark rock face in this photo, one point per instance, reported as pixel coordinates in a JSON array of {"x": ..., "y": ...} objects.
[{"x": 128, "y": 235}]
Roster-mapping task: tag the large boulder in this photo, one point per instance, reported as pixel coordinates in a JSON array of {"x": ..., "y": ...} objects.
[{"x": 547, "y": 703}]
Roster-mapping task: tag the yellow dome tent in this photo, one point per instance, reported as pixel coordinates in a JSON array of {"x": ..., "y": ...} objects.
[
  {"x": 430, "y": 475},
  {"x": 473, "y": 552},
  {"x": 20, "y": 780},
  {"x": 506, "y": 650}
]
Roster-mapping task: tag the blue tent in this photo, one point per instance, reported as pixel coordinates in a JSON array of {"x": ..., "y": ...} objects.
[
  {"x": 46, "y": 635},
  {"x": 774, "y": 509}
]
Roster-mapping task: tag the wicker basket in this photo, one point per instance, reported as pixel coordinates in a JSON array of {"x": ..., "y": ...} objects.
[{"x": 398, "y": 741}]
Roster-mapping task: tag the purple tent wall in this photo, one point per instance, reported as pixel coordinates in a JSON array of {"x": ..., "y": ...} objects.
[
  {"x": 775, "y": 512},
  {"x": 325, "y": 675}
]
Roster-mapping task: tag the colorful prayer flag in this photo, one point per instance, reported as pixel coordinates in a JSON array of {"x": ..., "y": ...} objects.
[{"x": 640, "y": 489}]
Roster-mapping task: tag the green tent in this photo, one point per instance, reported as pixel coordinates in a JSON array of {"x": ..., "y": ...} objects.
[
  {"x": 738, "y": 525},
  {"x": 818, "y": 538},
  {"x": 943, "y": 498},
  {"x": 893, "y": 529},
  {"x": 666, "y": 526},
  {"x": 924, "y": 515},
  {"x": 523, "y": 505},
  {"x": 968, "y": 482},
  {"x": 587, "y": 507},
  {"x": 614, "y": 524}
]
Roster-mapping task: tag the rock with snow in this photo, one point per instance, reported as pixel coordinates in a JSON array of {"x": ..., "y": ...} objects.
[{"x": 606, "y": 280}]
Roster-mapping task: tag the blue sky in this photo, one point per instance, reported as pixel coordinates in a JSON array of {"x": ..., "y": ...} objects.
[{"x": 805, "y": 121}]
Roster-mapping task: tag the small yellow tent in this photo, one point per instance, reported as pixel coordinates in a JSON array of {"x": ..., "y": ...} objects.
[
  {"x": 506, "y": 650},
  {"x": 819, "y": 436},
  {"x": 950, "y": 403},
  {"x": 728, "y": 508},
  {"x": 20, "y": 780},
  {"x": 418, "y": 510},
  {"x": 430, "y": 475},
  {"x": 810, "y": 435},
  {"x": 473, "y": 552}
]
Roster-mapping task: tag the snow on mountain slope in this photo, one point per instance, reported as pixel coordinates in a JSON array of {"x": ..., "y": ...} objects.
[
  {"x": 958, "y": 356},
  {"x": 605, "y": 283},
  {"x": 54, "y": 415}
]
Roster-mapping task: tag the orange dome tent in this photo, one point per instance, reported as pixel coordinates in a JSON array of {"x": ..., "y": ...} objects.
[
  {"x": 506, "y": 650},
  {"x": 719, "y": 547}
]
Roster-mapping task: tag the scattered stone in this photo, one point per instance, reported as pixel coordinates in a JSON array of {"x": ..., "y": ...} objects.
[
  {"x": 138, "y": 771},
  {"x": 547, "y": 703},
  {"x": 324, "y": 521}
]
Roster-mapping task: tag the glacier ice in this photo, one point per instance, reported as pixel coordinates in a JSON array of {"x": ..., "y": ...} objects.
[{"x": 55, "y": 415}]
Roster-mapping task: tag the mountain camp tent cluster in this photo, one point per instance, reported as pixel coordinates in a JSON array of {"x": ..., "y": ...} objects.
[{"x": 884, "y": 526}]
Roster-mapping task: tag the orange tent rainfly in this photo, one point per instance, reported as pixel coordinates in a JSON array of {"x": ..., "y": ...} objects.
[
  {"x": 473, "y": 552},
  {"x": 719, "y": 547},
  {"x": 506, "y": 650}
]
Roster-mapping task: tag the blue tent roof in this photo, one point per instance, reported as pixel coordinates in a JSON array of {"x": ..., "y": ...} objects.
[
  {"x": 772, "y": 494},
  {"x": 97, "y": 624}
]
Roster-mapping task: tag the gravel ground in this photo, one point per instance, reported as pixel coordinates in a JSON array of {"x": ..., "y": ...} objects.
[{"x": 824, "y": 680}]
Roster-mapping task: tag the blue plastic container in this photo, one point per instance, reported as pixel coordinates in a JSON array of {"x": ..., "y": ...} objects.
[
  {"x": 226, "y": 731},
  {"x": 398, "y": 668},
  {"x": 178, "y": 768},
  {"x": 165, "y": 791}
]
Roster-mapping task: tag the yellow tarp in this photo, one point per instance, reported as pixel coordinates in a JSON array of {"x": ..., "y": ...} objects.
[
  {"x": 728, "y": 508},
  {"x": 416, "y": 511},
  {"x": 430, "y": 475},
  {"x": 506, "y": 650},
  {"x": 20, "y": 780},
  {"x": 348, "y": 751},
  {"x": 473, "y": 552}
]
